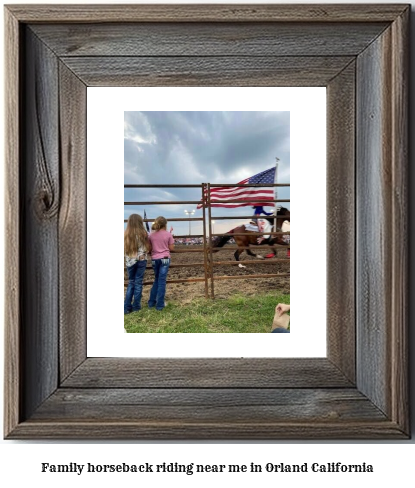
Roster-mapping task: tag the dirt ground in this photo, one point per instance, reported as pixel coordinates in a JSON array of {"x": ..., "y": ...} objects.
[{"x": 186, "y": 292}]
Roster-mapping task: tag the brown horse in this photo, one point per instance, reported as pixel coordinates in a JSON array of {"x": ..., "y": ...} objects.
[{"x": 251, "y": 239}]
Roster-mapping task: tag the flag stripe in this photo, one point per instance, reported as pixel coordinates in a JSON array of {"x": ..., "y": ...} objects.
[
  {"x": 235, "y": 196},
  {"x": 251, "y": 199},
  {"x": 241, "y": 191},
  {"x": 235, "y": 205}
]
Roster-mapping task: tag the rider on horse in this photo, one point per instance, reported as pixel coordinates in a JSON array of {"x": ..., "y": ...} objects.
[
  {"x": 246, "y": 235},
  {"x": 264, "y": 225}
]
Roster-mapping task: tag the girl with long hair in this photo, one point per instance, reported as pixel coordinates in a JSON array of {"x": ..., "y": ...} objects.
[
  {"x": 161, "y": 243},
  {"x": 136, "y": 246}
]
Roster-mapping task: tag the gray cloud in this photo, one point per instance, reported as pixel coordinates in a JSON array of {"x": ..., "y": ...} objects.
[{"x": 196, "y": 147}]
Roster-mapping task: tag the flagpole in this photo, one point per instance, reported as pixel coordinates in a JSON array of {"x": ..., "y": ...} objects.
[
  {"x": 147, "y": 226},
  {"x": 276, "y": 193}
]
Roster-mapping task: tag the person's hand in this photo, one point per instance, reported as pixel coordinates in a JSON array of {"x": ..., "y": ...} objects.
[
  {"x": 282, "y": 308},
  {"x": 171, "y": 230},
  {"x": 260, "y": 239}
]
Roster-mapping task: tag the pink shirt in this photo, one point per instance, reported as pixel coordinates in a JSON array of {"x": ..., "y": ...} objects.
[{"x": 160, "y": 241}]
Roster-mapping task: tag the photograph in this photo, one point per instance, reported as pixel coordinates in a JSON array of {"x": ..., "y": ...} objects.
[{"x": 207, "y": 221}]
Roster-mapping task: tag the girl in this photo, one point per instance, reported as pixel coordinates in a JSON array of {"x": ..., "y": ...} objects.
[
  {"x": 135, "y": 250},
  {"x": 161, "y": 243}
]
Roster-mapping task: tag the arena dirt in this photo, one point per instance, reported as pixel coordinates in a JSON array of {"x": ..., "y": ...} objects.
[{"x": 186, "y": 292}]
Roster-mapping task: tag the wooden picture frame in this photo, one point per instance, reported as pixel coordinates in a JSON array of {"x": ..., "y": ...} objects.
[{"x": 360, "y": 53}]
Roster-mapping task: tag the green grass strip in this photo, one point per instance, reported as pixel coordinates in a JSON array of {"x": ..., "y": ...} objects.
[{"x": 237, "y": 314}]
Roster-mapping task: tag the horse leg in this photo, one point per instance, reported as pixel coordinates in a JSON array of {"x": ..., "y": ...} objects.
[
  {"x": 272, "y": 253},
  {"x": 277, "y": 242},
  {"x": 239, "y": 241},
  {"x": 258, "y": 256},
  {"x": 273, "y": 250},
  {"x": 237, "y": 253},
  {"x": 248, "y": 251}
]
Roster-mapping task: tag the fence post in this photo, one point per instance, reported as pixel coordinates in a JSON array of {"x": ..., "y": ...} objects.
[
  {"x": 212, "y": 285},
  {"x": 205, "y": 248}
]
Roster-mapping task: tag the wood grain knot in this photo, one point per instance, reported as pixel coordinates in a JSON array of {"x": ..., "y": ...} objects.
[
  {"x": 47, "y": 206},
  {"x": 333, "y": 415}
]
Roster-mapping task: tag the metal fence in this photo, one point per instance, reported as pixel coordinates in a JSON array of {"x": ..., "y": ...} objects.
[{"x": 208, "y": 263}]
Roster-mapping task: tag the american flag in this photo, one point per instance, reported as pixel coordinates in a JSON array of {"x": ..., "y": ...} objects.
[{"x": 260, "y": 194}]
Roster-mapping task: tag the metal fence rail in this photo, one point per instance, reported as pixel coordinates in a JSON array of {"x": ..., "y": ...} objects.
[{"x": 208, "y": 263}]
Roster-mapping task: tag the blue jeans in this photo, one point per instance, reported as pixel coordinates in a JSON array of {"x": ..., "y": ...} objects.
[
  {"x": 158, "y": 290},
  {"x": 135, "y": 286}
]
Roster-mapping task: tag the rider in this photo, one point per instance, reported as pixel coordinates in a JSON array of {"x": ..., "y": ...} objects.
[{"x": 259, "y": 210}]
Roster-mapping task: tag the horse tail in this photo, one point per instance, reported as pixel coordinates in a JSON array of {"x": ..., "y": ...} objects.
[{"x": 220, "y": 241}]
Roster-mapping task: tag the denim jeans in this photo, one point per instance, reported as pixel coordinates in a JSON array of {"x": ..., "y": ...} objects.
[
  {"x": 158, "y": 290},
  {"x": 135, "y": 286}
]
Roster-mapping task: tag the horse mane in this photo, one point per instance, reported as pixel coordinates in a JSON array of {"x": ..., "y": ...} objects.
[{"x": 283, "y": 211}]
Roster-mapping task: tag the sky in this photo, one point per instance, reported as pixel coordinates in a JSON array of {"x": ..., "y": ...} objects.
[{"x": 200, "y": 147}]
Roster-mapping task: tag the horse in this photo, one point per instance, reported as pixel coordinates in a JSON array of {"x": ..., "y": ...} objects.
[{"x": 246, "y": 240}]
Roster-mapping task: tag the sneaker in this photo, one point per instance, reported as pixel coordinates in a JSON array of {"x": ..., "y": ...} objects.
[{"x": 269, "y": 256}]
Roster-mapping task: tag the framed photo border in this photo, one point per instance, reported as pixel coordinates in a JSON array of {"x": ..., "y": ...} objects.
[{"x": 360, "y": 390}]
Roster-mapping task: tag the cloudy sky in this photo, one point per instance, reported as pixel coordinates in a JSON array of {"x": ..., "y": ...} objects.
[{"x": 196, "y": 147}]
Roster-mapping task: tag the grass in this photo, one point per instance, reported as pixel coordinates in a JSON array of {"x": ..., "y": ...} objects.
[{"x": 237, "y": 314}]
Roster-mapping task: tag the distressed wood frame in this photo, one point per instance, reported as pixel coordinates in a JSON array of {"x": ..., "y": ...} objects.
[{"x": 359, "y": 52}]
